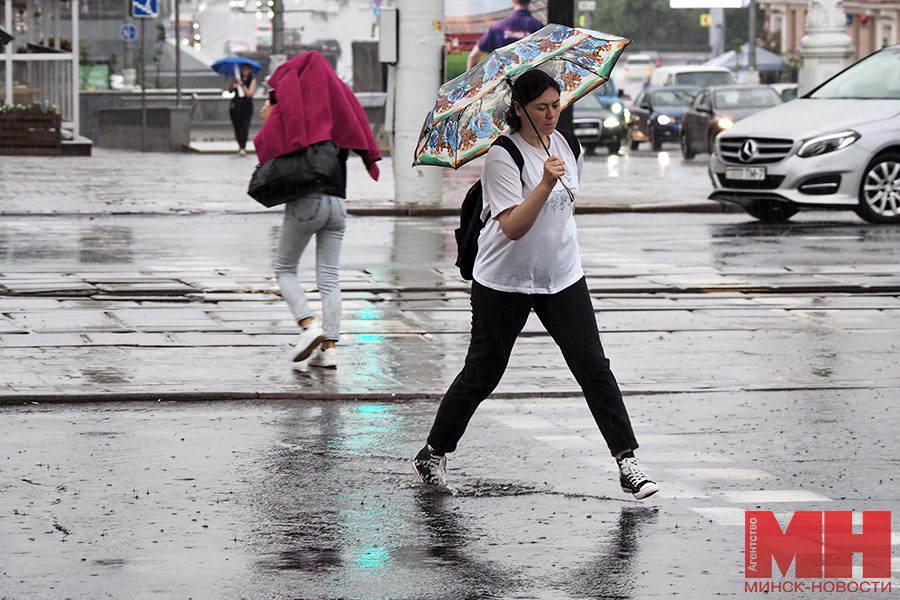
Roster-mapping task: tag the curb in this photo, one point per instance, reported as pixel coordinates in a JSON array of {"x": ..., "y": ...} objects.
[
  {"x": 580, "y": 209},
  {"x": 114, "y": 397}
]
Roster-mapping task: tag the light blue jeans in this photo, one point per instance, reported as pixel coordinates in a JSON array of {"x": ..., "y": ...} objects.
[{"x": 326, "y": 218}]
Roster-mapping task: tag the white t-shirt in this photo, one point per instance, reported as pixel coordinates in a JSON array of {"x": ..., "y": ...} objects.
[{"x": 546, "y": 259}]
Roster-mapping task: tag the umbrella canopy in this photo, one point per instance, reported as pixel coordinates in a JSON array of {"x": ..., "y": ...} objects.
[
  {"x": 5, "y": 37},
  {"x": 765, "y": 60},
  {"x": 470, "y": 111},
  {"x": 232, "y": 64}
]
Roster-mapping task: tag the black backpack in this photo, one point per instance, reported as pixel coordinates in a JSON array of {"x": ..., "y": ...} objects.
[{"x": 470, "y": 223}]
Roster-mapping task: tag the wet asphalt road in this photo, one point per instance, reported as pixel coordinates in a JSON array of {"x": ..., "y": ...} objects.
[{"x": 316, "y": 499}]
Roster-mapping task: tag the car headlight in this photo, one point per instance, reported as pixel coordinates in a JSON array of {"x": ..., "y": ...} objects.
[
  {"x": 664, "y": 119},
  {"x": 626, "y": 114},
  {"x": 611, "y": 123},
  {"x": 725, "y": 123},
  {"x": 615, "y": 107},
  {"x": 824, "y": 144}
]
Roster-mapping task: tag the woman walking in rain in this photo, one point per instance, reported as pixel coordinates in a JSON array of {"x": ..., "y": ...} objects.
[
  {"x": 528, "y": 259},
  {"x": 310, "y": 105},
  {"x": 241, "y": 109}
]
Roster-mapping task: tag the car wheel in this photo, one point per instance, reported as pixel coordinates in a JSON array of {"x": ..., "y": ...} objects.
[
  {"x": 615, "y": 147},
  {"x": 879, "y": 191},
  {"x": 634, "y": 144},
  {"x": 590, "y": 149},
  {"x": 686, "y": 149},
  {"x": 771, "y": 211},
  {"x": 654, "y": 143}
]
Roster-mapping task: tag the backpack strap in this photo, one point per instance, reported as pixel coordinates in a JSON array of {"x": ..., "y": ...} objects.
[
  {"x": 574, "y": 144},
  {"x": 510, "y": 146}
]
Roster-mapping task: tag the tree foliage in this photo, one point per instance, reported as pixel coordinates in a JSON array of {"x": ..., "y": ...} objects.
[{"x": 652, "y": 25}]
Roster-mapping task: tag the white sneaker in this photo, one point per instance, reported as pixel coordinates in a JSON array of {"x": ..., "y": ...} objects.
[
  {"x": 308, "y": 340},
  {"x": 325, "y": 358}
]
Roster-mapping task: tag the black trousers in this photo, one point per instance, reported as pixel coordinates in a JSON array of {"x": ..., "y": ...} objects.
[
  {"x": 497, "y": 320},
  {"x": 241, "y": 111}
]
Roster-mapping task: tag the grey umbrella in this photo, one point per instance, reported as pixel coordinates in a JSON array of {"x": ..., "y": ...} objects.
[{"x": 5, "y": 37}]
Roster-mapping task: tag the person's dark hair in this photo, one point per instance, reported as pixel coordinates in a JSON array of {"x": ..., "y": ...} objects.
[{"x": 527, "y": 87}]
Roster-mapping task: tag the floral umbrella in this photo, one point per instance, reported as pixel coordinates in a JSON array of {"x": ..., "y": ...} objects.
[{"x": 470, "y": 110}]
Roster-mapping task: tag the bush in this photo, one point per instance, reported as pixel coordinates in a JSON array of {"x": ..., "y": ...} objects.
[{"x": 44, "y": 108}]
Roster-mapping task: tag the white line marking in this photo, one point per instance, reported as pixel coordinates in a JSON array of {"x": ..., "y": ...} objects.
[
  {"x": 764, "y": 496},
  {"x": 722, "y": 515},
  {"x": 723, "y": 473},
  {"x": 524, "y": 422},
  {"x": 568, "y": 441},
  {"x": 680, "y": 457}
]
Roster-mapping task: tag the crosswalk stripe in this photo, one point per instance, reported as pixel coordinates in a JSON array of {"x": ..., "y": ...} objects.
[{"x": 765, "y": 496}]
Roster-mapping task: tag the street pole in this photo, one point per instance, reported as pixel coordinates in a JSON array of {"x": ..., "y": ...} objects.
[
  {"x": 414, "y": 82},
  {"x": 177, "y": 56},
  {"x": 143, "y": 92},
  {"x": 562, "y": 12},
  {"x": 278, "y": 27},
  {"x": 752, "y": 75}
]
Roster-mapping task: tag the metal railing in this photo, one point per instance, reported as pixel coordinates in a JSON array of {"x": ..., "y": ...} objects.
[{"x": 48, "y": 78}]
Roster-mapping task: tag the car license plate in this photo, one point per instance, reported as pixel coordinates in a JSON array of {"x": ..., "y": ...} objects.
[
  {"x": 745, "y": 173},
  {"x": 587, "y": 131}
]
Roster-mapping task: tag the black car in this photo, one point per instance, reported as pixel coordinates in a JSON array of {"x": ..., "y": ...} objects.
[
  {"x": 656, "y": 115},
  {"x": 595, "y": 125},
  {"x": 717, "y": 108}
]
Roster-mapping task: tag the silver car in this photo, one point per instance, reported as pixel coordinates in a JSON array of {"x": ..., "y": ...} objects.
[{"x": 837, "y": 147}]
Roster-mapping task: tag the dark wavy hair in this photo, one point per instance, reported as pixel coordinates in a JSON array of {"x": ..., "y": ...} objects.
[{"x": 526, "y": 88}]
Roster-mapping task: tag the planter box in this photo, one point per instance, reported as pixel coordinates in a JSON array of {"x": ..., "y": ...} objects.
[{"x": 31, "y": 134}]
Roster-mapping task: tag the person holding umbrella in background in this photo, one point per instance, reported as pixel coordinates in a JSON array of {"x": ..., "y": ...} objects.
[
  {"x": 242, "y": 72},
  {"x": 241, "y": 109}
]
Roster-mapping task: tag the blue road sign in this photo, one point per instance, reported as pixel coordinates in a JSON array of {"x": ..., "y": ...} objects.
[
  {"x": 144, "y": 8},
  {"x": 128, "y": 32}
]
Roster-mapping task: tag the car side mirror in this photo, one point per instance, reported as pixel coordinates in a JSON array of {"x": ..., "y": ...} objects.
[
  {"x": 645, "y": 105},
  {"x": 704, "y": 109}
]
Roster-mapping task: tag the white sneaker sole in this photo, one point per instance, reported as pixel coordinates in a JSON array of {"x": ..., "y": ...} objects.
[
  {"x": 323, "y": 365},
  {"x": 644, "y": 492},
  {"x": 303, "y": 353}
]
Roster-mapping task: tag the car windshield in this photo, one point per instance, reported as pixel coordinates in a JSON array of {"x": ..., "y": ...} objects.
[
  {"x": 704, "y": 78},
  {"x": 748, "y": 98},
  {"x": 673, "y": 97},
  {"x": 606, "y": 89},
  {"x": 875, "y": 77},
  {"x": 589, "y": 102}
]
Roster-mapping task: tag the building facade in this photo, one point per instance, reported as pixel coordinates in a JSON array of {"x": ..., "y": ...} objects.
[{"x": 871, "y": 24}]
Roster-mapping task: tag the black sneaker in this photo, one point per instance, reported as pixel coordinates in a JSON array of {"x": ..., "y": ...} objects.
[
  {"x": 430, "y": 468},
  {"x": 633, "y": 480}
]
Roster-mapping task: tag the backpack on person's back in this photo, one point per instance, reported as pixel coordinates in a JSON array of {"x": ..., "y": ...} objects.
[{"x": 470, "y": 221}]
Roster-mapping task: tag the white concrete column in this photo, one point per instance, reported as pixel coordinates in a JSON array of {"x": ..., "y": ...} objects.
[
  {"x": 7, "y": 25},
  {"x": 76, "y": 72},
  {"x": 826, "y": 48},
  {"x": 415, "y": 80}
]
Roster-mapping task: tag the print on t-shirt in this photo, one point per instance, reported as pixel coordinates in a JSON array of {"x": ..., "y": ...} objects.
[{"x": 559, "y": 198}]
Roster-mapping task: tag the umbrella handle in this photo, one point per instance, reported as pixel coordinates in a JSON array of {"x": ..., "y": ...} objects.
[
  {"x": 237, "y": 75},
  {"x": 547, "y": 150}
]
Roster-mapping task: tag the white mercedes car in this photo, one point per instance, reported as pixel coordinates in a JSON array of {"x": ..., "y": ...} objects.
[{"x": 837, "y": 147}]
